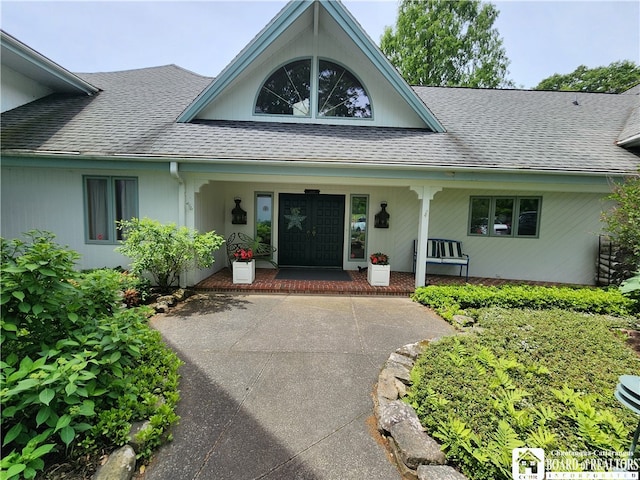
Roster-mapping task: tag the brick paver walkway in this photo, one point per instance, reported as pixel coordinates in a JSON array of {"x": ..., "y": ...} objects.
[{"x": 401, "y": 283}]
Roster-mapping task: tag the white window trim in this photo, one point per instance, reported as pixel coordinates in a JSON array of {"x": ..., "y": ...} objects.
[
  {"x": 111, "y": 207},
  {"x": 516, "y": 215}
]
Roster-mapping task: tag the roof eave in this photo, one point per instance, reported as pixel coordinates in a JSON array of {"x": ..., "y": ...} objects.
[
  {"x": 632, "y": 141},
  {"x": 181, "y": 158},
  {"x": 47, "y": 66}
]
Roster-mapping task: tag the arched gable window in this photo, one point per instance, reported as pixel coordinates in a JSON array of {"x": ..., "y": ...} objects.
[
  {"x": 287, "y": 91},
  {"x": 340, "y": 93}
]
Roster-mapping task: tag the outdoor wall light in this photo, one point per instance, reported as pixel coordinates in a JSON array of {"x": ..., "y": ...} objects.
[
  {"x": 382, "y": 217},
  {"x": 239, "y": 216}
]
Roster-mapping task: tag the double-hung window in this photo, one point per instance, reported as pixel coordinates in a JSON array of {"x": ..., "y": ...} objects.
[
  {"x": 108, "y": 200},
  {"x": 504, "y": 216}
]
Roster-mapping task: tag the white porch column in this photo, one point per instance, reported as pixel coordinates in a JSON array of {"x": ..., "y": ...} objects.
[
  {"x": 188, "y": 192},
  {"x": 425, "y": 195}
]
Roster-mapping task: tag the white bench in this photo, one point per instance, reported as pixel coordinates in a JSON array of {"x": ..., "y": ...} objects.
[{"x": 442, "y": 251}]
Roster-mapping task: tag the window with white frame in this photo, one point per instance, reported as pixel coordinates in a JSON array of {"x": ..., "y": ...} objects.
[
  {"x": 290, "y": 88},
  {"x": 287, "y": 90},
  {"x": 340, "y": 93},
  {"x": 108, "y": 200},
  {"x": 264, "y": 218},
  {"x": 358, "y": 230},
  {"x": 504, "y": 216}
]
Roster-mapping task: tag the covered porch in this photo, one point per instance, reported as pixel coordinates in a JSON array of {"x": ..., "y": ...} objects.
[
  {"x": 334, "y": 225},
  {"x": 286, "y": 215}
]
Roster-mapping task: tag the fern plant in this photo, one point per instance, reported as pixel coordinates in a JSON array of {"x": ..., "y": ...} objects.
[{"x": 515, "y": 384}]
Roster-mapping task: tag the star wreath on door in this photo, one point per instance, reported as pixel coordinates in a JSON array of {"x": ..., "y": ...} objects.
[{"x": 295, "y": 219}]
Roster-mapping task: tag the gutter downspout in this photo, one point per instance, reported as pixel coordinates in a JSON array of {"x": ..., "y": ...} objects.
[
  {"x": 182, "y": 193},
  {"x": 182, "y": 209},
  {"x": 173, "y": 168}
]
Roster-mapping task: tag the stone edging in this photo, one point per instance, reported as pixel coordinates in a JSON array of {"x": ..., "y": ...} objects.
[
  {"x": 121, "y": 464},
  {"x": 163, "y": 303},
  {"x": 417, "y": 454}
]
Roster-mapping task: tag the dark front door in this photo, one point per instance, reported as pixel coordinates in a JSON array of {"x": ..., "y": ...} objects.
[{"x": 310, "y": 230}]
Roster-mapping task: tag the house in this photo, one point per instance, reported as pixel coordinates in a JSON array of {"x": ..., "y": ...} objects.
[{"x": 312, "y": 133}]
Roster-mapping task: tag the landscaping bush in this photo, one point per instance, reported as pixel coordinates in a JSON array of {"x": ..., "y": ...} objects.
[
  {"x": 451, "y": 300},
  {"x": 622, "y": 224},
  {"x": 527, "y": 378},
  {"x": 129, "y": 288},
  {"x": 164, "y": 251},
  {"x": 77, "y": 369}
]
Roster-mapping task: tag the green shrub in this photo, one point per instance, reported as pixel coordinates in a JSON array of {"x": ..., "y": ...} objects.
[
  {"x": 622, "y": 224},
  {"x": 70, "y": 356},
  {"x": 453, "y": 299},
  {"x": 101, "y": 292},
  {"x": 37, "y": 289},
  {"x": 164, "y": 251},
  {"x": 528, "y": 378},
  {"x": 126, "y": 287},
  {"x": 135, "y": 289}
]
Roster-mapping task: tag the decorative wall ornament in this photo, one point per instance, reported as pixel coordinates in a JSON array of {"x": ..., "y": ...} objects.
[
  {"x": 382, "y": 217},
  {"x": 295, "y": 219},
  {"x": 239, "y": 216}
]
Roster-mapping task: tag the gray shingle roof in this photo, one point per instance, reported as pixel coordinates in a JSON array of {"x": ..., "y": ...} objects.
[
  {"x": 537, "y": 129},
  {"x": 635, "y": 90},
  {"x": 631, "y": 130},
  {"x": 504, "y": 129},
  {"x": 128, "y": 116}
]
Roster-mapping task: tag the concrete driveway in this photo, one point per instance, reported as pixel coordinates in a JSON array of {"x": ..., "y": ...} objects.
[{"x": 279, "y": 386}]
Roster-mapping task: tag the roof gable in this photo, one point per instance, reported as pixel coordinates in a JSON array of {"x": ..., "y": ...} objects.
[{"x": 296, "y": 21}]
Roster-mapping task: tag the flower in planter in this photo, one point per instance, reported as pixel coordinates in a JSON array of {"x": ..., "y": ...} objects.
[
  {"x": 379, "y": 258},
  {"x": 243, "y": 255}
]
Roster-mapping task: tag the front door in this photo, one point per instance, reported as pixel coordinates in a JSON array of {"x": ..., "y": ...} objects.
[{"x": 310, "y": 230}]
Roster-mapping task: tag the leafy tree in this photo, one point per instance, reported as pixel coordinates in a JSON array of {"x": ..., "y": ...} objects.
[
  {"x": 447, "y": 43},
  {"x": 166, "y": 250},
  {"x": 622, "y": 224},
  {"x": 614, "y": 78}
]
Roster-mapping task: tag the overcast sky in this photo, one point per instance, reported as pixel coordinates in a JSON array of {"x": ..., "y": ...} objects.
[{"x": 541, "y": 37}]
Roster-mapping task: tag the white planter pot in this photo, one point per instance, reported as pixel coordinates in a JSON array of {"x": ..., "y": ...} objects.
[
  {"x": 244, "y": 272},
  {"x": 378, "y": 275}
]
